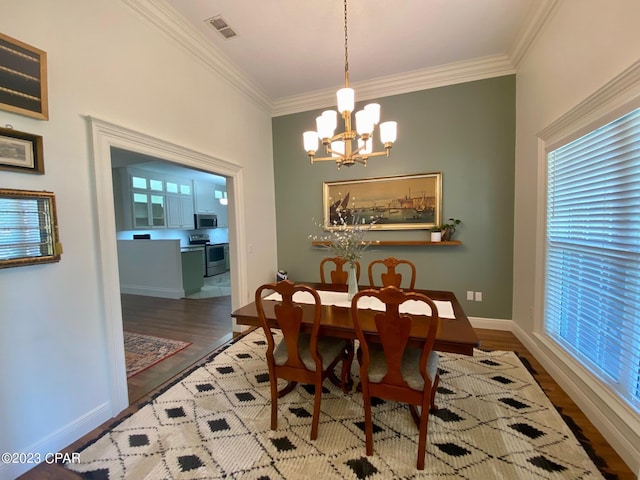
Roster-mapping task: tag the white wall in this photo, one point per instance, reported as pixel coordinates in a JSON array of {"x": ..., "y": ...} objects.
[
  {"x": 104, "y": 61},
  {"x": 584, "y": 45}
]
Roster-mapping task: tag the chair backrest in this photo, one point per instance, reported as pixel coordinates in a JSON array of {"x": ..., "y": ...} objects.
[
  {"x": 290, "y": 318},
  {"x": 394, "y": 330},
  {"x": 390, "y": 276},
  {"x": 339, "y": 276}
]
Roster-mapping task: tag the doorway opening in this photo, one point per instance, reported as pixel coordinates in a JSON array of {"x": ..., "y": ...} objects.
[
  {"x": 106, "y": 136},
  {"x": 201, "y": 317}
]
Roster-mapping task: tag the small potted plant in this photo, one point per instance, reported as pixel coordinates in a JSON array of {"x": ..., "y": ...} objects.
[
  {"x": 448, "y": 229},
  {"x": 436, "y": 233}
]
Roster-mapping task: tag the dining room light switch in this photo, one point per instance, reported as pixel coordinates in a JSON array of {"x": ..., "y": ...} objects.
[
  {"x": 469, "y": 295},
  {"x": 478, "y": 296}
]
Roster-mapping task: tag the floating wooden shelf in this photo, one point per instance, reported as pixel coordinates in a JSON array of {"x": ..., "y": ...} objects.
[{"x": 400, "y": 243}]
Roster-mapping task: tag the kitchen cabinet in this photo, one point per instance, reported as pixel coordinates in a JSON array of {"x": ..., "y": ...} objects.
[
  {"x": 148, "y": 210},
  {"x": 192, "y": 272},
  {"x": 148, "y": 200},
  {"x": 204, "y": 198},
  {"x": 180, "y": 211}
]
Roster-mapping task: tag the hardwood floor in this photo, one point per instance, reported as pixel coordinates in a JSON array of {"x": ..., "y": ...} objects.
[
  {"x": 206, "y": 323},
  {"x": 491, "y": 340}
]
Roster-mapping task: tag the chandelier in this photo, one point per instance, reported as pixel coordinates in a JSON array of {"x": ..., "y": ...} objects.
[{"x": 341, "y": 146}]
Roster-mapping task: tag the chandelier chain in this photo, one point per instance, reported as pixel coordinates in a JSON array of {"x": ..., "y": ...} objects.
[{"x": 346, "y": 49}]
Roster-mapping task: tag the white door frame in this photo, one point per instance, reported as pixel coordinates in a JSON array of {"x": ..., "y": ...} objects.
[{"x": 104, "y": 136}]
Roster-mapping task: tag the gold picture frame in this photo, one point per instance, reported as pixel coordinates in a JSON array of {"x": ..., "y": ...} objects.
[
  {"x": 23, "y": 78},
  {"x": 21, "y": 152},
  {"x": 29, "y": 228},
  {"x": 406, "y": 202}
]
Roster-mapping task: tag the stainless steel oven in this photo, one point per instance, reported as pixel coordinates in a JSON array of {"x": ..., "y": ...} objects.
[{"x": 215, "y": 255}]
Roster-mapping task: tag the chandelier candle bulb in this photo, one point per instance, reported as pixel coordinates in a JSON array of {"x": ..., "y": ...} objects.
[
  {"x": 388, "y": 132},
  {"x": 374, "y": 112},
  {"x": 346, "y": 100},
  {"x": 364, "y": 122}
]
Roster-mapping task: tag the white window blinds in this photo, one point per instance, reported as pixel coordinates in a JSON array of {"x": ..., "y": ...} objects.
[{"x": 592, "y": 279}]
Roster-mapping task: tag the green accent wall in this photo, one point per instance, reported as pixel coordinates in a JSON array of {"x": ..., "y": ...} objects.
[{"x": 467, "y": 132}]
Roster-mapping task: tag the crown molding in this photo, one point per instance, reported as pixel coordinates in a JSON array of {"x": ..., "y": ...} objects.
[
  {"x": 450, "y": 74},
  {"x": 161, "y": 15},
  {"x": 621, "y": 92},
  {"x": 174, "y": 26},
  {"x": 537, "y": 17}
]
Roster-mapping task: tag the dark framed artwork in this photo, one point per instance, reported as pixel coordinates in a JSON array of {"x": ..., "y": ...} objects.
[
  {"x": 23, "y": 78},
  {"x": 21, "y": 152},
  {"x": 407, "y": 202}
]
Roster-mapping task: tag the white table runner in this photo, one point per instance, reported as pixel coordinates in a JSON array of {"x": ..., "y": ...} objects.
[{"x": 339, "y": 299}]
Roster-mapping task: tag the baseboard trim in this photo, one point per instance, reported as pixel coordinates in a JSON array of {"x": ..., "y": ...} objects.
[
  {"x": 600, "y": 410},
  {"x": 56, "y": 441},
  {"x": 152, "y": 292},
  {"x": 492, "y": 323}
]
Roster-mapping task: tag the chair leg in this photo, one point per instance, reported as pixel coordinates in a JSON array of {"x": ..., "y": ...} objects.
[
  {"x": 274, "y": 403},
  {"x": 368, "y": 421},
  {"x": 290, "y": 386},
  {"x": 434, "y": 389},
  {"x": 316, "y": 410},
  {"x": 415, "y": 415},
  {"x": 422, "y": 436},
  {"x": 347, "y": 361}
]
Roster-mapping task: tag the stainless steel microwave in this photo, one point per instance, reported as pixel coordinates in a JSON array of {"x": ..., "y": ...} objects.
[{"x": 203, "y": 221}]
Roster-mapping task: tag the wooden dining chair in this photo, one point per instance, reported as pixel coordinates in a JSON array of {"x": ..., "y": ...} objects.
[
  {"x": 339, "y": 276},
  {"x": 299, "y": 356},
  {"x": 390, "y": 276},
  {"x": 392, "y": 370}
]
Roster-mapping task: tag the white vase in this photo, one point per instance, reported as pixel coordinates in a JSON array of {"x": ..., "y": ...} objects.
[
  {"x": 352, "y": 282},
  {"x": 436, "y": 236}
]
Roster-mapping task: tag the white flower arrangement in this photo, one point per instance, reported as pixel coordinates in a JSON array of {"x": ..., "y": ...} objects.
[{"x": 346, "y": 240}]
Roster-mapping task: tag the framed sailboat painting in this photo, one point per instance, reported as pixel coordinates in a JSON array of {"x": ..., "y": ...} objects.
[{"x": 407, "y": 202}]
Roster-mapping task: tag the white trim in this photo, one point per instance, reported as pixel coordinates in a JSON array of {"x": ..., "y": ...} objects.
[
  {"x": 538, "y": 16},
  {"x": 603, "y": 106},
  {"x": 611, "y": 416},
  {"x": 450, "y": 74},
  {"x": 164, "y": 17},
  {"x": 492, "y": 323},
  {"x": 55, "y": 441},
  {"x": 104, "y": 136},
  {"x": 174, "y": 293},
  {"x": 617, "y": 423}
]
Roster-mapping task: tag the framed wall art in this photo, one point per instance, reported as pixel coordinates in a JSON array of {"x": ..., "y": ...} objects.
[
  {"x": 407, "y": 202},
  {"x": 21, "y": 152},
  {"x": 28, "y": 228},
  {"x": 23, "y": 78}
]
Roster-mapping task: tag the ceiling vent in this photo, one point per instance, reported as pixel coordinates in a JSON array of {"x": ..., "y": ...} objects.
[{"x": 221, "y": 25}]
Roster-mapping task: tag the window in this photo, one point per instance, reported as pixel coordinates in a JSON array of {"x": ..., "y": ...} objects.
[{"x": 592, "y": 279}]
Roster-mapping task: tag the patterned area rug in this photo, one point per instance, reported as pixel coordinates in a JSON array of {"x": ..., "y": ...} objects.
[
  {"x": 494, "y": 422},
  {"x": 145, "y": 351}
]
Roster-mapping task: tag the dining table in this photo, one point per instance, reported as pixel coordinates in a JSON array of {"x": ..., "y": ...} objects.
[{"x": 456, "y": 335}]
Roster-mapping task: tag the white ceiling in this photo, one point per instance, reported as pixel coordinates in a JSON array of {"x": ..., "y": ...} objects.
[
  {"x": 289, "y": 55},
  {"x": 289, "y": 48}
]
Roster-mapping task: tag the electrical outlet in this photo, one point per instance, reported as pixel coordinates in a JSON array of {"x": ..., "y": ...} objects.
[
  {"x": 469, "y": 295},
  {"x": 478, "y": 296}
]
